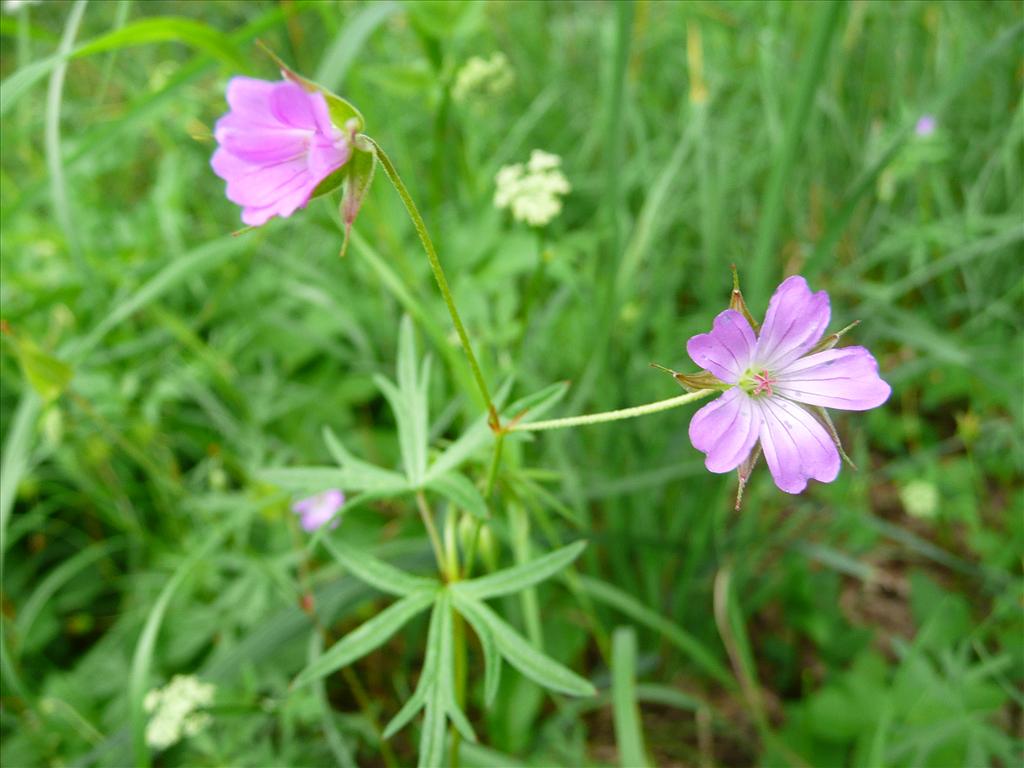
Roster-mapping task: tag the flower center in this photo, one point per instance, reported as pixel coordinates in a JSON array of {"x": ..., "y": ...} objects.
[{"x": 758, "y": 382}]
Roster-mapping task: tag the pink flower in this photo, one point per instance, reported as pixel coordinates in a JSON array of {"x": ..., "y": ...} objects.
[
  {"x": 925, "y": 125},
  {"x": 774, "y": 377},
  {"x": 275, "y": 146},
  {"x": 316, "y": 511}
]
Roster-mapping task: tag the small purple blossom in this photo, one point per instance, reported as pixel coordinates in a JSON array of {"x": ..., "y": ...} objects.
[
  {"x": 316, "y": 511},
  {"x": 276, "y": 144},
  {"x": 773, "y": 378},
  {"x": 925, "y": 125}
]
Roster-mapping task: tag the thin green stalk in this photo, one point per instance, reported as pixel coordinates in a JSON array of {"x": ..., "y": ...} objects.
[
  {"x": 492, "y": 470},
  {"x": 623, "y": 413},
  {"x": 435, "y": 539},
  {"x": 439, "y": 276}
]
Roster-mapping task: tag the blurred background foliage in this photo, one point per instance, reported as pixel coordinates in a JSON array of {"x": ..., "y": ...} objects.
[{"x": 153, "y": 364}]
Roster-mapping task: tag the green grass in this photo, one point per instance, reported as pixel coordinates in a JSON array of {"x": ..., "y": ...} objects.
[{"x": 160, "y": 377}]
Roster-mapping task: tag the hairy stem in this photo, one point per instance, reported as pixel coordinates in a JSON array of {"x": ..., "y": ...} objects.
[
  {"x": 439, "y": 276},
  {"x": 623, "y": 413}
]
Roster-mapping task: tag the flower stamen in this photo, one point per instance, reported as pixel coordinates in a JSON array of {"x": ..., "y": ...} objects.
[{"x": 763, "y": 383}]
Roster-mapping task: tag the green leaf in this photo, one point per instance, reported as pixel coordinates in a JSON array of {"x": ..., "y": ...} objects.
[
  {"x": 461, "y": 492},
  {"x": 315, "y": 479},
  {"x": 542, "y": 669},
  {"x": 532, "y": 407},
  {"x": 367, "y": 637},
  {"x": 368, "y": 476},
  {"x": 629, "y": 736},
  {"x": 492, "y": 658},
  {"x": 409, "y": 403},
  {"x": 428, "y": 675},
  {"x": 520, "y": 577},
  {"x": 637, "y": 611},
  {"x": 376, "y": 572},
  {"x": 446, "y": 674},
  {"x": 431, "y": 752},
  {"x": 48, "y": 376}
]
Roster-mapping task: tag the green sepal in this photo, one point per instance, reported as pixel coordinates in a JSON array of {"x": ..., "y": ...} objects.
[
  {"x": 695, "y": 382},
  {"x": 737, "y": 303},
  {"x": 360, "y": 170},
  {"x": 832, "y": 339},
  {"x": 826, "y": 421}
]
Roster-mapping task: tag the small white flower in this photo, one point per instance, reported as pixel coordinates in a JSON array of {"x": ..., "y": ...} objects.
[
  {"x": 483, "y": 77},
  {"x": 173, "y": 710},
  {"x": 534, "y": 192},
  {"x": 920, "y": 498}
]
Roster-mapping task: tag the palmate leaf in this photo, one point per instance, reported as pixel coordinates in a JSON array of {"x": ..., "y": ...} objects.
[
  {"x": 376, "y": 572},
  {"x": 542, "y": 669},
  {"x": 521, "y": 576},
  {"x": 367, "y": 637}
]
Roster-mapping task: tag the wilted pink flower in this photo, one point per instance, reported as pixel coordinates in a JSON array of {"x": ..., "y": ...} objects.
[
  {"x": 315, "y": 511},
  {"x": 925, "y": 125},
  {"x": 774, "y": 377},
  {"x": 275, "y": 145}
]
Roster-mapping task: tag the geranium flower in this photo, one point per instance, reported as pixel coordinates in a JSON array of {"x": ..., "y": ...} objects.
[
  {"x": 778, "y": 383},
  {"x": 275, "y": 146},
  {"x": 316, "y": 511}
]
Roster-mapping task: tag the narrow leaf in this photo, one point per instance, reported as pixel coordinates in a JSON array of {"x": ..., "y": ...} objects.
[
  {"x": 492, "y": 659},
  {"x": 315, "y": 479},
  {"x": 376, "y": 572},
  {"x": 432, "y": 736},
  {"x": 446, "y": 676},
  {"x": 522, "y": 576},
  {"x": 629, "y": 735},
  {"x": 461, "y": 492},
  {"x": 428, "y": 675},
  {"x": 542, "y": 669},
  {"x": 370, "y": 475},
  {"x": 367, "y": 637}
]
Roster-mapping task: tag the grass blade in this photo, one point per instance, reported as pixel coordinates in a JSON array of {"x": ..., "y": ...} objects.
[{"x": 629, "y": 736}]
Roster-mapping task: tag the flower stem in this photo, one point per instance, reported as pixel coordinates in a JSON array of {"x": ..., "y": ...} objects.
[
  {"x": 624, "y": 413},
  {"x": 435, "y": 540},
  {"x": 439, "y": 276}
]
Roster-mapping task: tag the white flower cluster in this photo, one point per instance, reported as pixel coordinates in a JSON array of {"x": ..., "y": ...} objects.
[
  {"x": 533, "y": 192},
  {"x": 173, "y": 709},
  {"x": 483, "y": 77}
]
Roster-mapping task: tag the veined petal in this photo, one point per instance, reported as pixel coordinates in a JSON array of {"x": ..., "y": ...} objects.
[
  {"x": 250, "y": 98},
  {"x": 844, "y": 378},
  {"x": 795, "y": 321},
  {"x": 257, "y": 185},
  {"x": 796, "y": 447},
  {"x": 293, "y": 197},
  {"x": 326, "y": 156},
  {"x": 726, "y": 430},
  {"x": 727, "y": 350},
  {"x": 292, "y": 105}
]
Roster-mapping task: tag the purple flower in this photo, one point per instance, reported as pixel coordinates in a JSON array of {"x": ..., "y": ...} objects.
[
  {"x": 316, "y": 511},
  {"x": 925, "y": 125},
  {"x": 275, "y": 146},
  {"x": 773, "y": 378}
]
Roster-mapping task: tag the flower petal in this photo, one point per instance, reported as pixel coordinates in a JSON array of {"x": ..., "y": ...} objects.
[
  {"x": 292, "y": 105},
  {"x": 794, "y": 322},
  {"x": 844, "y": 378},
  {"x": 796, "y": 446},
  {"x": 726, "y": 430},
  {"x": 250, "y": 98},
  {"x": 727, "y": 350},
  {"x": 326, "y": 156}
]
